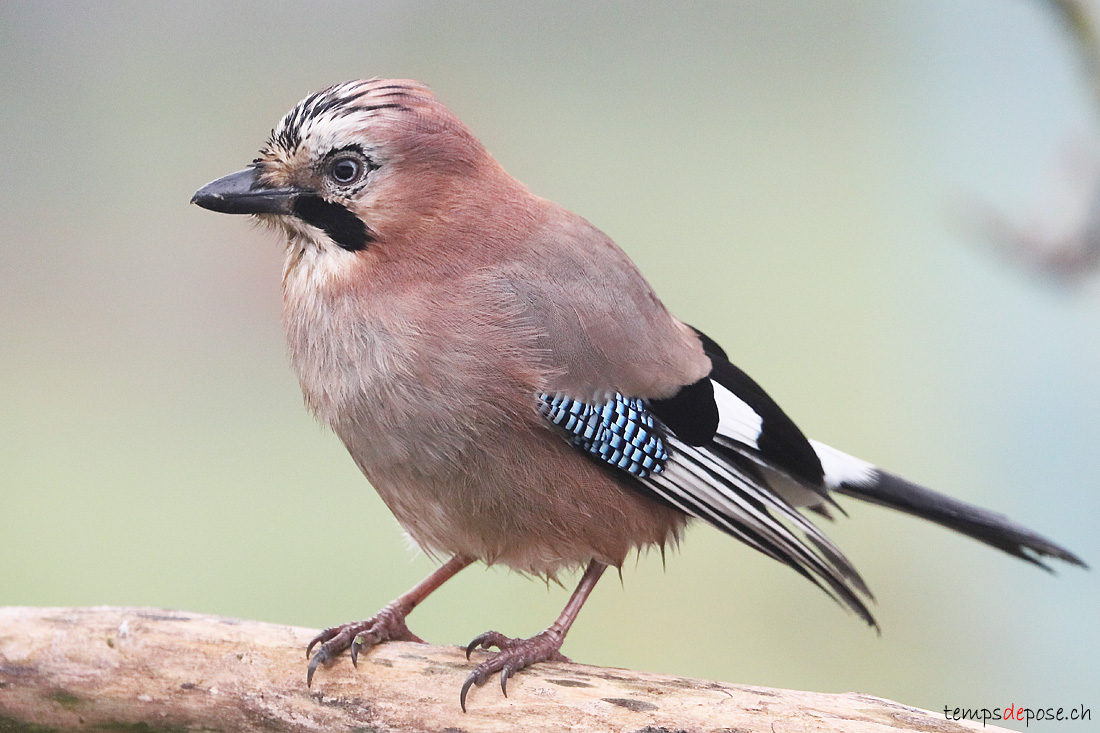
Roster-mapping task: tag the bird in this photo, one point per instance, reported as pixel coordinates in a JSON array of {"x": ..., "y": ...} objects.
[{"x": 511, "y": 385}]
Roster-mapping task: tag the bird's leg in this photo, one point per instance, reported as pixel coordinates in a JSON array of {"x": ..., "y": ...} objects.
[
  {"x": 515, "y": 654},
  {"x": 386, "y": 625}
]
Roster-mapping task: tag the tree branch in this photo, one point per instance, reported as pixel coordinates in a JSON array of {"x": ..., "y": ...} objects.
[{"x": 150, "y": 670}]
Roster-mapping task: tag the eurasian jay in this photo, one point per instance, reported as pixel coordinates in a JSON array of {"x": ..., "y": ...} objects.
[{"x": 510, "y": 384}]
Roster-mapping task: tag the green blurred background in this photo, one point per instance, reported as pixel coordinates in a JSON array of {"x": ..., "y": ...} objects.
[{"x": 784, "y": 173}]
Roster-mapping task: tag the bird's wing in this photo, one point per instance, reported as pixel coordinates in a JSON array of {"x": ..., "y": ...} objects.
[
  {"x": 659, "y": 403},
  {"x": 720, "y": 482}
]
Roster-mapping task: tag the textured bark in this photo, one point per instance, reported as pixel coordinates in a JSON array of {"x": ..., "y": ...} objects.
[{"x": 142, "y": 669}]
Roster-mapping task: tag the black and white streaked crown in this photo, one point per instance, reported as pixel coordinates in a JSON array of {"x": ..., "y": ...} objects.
[{"x": 340, "y": 102}]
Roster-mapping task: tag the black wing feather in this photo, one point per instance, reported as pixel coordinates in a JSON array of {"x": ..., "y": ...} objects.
[
  {"x": 716, "y": 457},
  {"x": 781, "y": 442},
  {"x": 644, "y": 442},
  {"x": 691, "y": 414}
]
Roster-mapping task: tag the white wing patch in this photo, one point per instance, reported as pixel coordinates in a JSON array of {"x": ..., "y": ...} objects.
[
  {"x": 725, "y": 483},
  {"x": 841, "y": 468},
  {"x": 736, "y": 420}
]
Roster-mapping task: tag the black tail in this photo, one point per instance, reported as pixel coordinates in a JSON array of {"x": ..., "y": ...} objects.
[{"x": 983, "y": 525}]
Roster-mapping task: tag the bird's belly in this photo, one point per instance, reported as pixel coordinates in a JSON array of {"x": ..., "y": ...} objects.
[
  {"x": 525, "y": 499},
  {"x": 447, "y": 431}
]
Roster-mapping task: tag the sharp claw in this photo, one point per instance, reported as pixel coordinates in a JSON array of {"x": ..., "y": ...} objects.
[
  {"x": 356, "y": 645},
  {"x": 311, "y": 670},
  {"x": 478, "y": 640},
  {"x": 514, "y": 655},
  {"x": 466, "y": 688}
]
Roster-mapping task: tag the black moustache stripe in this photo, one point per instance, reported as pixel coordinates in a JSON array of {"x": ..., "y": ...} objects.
[{"x": 335, "y": 220}]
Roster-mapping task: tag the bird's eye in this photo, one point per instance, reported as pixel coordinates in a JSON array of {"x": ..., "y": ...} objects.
[{"x": 346, "y": 170}]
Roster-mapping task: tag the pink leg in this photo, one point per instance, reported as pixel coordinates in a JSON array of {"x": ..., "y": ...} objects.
[
  {"x": 515, "y": 654},
  {"x": 386, "y": 625}
]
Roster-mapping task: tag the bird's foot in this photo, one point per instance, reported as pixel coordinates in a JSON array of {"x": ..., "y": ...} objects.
[
  {"x": 386, "y": 625},
  {"x": 514, "y": 655}
]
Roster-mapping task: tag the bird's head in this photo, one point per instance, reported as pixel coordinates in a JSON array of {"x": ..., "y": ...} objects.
[{"x": 355, "y": 165}]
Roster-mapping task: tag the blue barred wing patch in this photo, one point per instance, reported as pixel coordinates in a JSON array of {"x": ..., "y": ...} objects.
[{"x": 620, "y": 432}]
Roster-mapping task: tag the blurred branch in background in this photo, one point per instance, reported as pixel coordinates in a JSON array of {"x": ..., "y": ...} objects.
[
  {"x": 1079, "y": 19},
  {"x": 1062, "y": 242}
]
